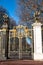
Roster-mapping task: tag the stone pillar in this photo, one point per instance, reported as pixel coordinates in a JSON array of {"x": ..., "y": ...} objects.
[
  {"x": 37, "y": 55},
  {"x": 2, "y": 51}
]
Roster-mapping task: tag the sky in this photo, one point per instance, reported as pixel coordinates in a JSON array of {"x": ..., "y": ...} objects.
[{"x": 10, "y": 6}]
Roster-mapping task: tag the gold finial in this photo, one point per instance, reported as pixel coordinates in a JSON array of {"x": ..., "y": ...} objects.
[
  {"x": 26, "y": 31},
  {"x": 36, "y": 14}
]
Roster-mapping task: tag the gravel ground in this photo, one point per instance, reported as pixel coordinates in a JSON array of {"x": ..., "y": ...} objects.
[{"x": 21, "y": 62}]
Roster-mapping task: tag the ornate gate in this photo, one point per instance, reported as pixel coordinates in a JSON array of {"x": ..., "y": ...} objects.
[{"x": 20, "y": 43}]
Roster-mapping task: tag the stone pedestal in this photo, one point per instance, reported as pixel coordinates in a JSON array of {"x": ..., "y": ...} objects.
[{"x": 37, "y": 41}]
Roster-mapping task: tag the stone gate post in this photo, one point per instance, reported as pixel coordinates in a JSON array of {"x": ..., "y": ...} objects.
[{"x": 37, "y": 55}]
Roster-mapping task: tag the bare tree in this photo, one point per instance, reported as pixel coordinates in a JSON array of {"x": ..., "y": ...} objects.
[
  {"x": 12, "y": 23},
  {"x": 27, "y": 8}
]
